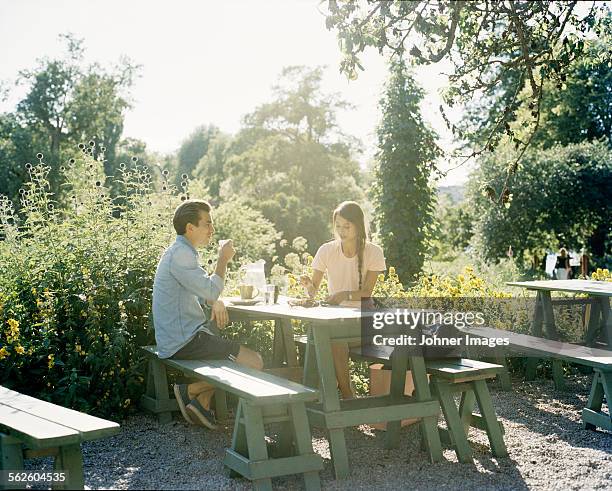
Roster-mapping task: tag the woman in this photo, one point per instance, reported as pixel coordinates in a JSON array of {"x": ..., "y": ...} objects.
[{"x": 352, "y": 264}]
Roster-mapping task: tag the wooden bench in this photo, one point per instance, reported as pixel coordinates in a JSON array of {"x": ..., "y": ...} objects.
[
  {"x": 599, "y": 360},
  {"x": 447, "y": 377},
  {"x": 263, "y": 399},
  {"x": 32, "y": 428}
]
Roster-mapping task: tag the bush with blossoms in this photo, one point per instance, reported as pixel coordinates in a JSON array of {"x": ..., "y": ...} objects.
[{"x": 76, "y": 277}]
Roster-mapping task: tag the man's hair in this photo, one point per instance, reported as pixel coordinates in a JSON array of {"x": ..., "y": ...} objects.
[{"x": 189, "y": 212}]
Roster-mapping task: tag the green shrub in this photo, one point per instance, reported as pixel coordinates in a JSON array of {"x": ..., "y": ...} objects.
[{"x": 76, "y": 276}]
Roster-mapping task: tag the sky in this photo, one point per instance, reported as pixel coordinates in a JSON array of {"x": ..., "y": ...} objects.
[{"x": 205, "y": 62}]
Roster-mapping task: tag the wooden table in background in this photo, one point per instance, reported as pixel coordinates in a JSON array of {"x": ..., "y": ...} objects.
[{"x": 599, "y": 293}]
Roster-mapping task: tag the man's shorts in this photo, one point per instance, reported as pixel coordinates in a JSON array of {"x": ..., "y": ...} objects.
[{"x": 205, "y": 346}]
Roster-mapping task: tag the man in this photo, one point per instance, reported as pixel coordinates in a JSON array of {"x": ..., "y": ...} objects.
[{"x": 187, "y": 312}]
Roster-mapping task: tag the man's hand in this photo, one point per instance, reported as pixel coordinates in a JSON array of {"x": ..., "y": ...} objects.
[
  {"x": 226, "y": 250},
  {"x": 219, "y": 314},
  {"x": 337, "y": 298}
]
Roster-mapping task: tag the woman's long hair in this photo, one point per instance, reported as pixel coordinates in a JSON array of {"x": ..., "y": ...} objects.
[{"x": 352, "y": 212}]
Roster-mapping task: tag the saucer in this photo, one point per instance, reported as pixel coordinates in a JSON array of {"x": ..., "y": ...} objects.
[{"x": 239, "y": 301}]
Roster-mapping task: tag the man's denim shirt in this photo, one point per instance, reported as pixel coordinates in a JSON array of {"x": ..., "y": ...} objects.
[{"x": 180, "y": 286}]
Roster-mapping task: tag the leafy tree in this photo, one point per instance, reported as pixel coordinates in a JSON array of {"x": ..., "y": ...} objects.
[
  {"x": 291, "y": 162},
  {"x": 454, "y": 223},
  {"x": 194, "y": 148},
  {"x": 486, "y": 41},
  {"x": 561, "y": 197},
  {"x": 67, "y": 103},
  {"x": 211, "y": 167},
  {"x": 582, "y": 110},
  {"x": 407, "y": 151},
  {"x": 578, "y": 110}
]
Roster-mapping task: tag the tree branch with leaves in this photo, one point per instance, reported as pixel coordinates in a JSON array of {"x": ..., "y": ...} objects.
[{"x": 484, "y": 41}]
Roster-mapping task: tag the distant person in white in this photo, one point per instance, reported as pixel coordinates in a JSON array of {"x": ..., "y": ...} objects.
[
  {"x": 563, "y": 265},
  {"x": 352, "y": 264}
]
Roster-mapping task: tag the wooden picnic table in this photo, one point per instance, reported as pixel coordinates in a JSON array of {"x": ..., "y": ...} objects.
[
  {"x": 334, "y": 324},
  {"x": 599, "y": 293}
]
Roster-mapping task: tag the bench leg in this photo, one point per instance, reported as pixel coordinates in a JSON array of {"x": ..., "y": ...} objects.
[
  {"x": 70, "y": 460},
  {"x": 303, "y": 442},
  {"x": 11, "y": 453},
  {"x": 466, "y": 406},
  {"x": 221, "y": 412},
  {"x": 286, "y": 439},
  {"x": 239, "y": 441},
  {"x": 453, "y": 420},
  {"x": 592, "y": 416},
  {"x": 557, "y": 373},
  {"x": 256, "y": 442},
  {"x": 493, "y": 428},
  {"x": 160, "y": 382},
  {"x": 505, "y": 383}
]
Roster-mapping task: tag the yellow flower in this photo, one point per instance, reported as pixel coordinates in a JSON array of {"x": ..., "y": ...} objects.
[
  {"x": 51, "y": 361},
  {"x": 13, "y": 324},
  {"x": 3, "y": 353},
  {"x": 20, "y": 350},
  {"x": 391, "y": 270}
]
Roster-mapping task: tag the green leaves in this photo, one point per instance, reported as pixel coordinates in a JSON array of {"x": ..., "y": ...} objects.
[{"x": 403, "y": 196}]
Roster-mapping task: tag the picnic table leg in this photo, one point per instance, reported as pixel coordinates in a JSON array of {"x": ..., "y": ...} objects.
[
  {"x": 456, "y": 429},
  {"x": 493, "y": 428},
  {"x": 536, "y": 330},
  {"x": 286, "y": 331},
  {"x": 303, "y": 442},
  {"x": 330, "y": 398},
  {"x": 399, "y": 366},
  {"x": 593, "y": 325},
  {"x": 549, "y": 317},
  {"x": 592, "y": 416},
  {"x": 278, "y": 351},
  {"x": 70, "y": 460},
  {"x": 429, "y": 425},
  {"x": 310, "y": 377},
  {"x": 256, "y": 441},
  {"x": 606, "y": 319}
]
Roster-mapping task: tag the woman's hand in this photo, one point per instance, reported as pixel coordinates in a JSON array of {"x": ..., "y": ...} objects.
[
  {"x": 337, "y": 298},
  {"x": 219, "y": 314},
  {"x": 307, "y": 283}
]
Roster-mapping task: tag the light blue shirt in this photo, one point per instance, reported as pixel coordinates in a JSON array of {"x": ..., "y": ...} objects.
[{"x": 180, "y": 286}]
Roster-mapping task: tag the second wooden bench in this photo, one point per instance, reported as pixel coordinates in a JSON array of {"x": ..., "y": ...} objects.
[{"x": 263, "y": 399}]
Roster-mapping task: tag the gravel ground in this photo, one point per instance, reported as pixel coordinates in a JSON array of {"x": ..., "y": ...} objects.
[{"x": 548, "y": 450}]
